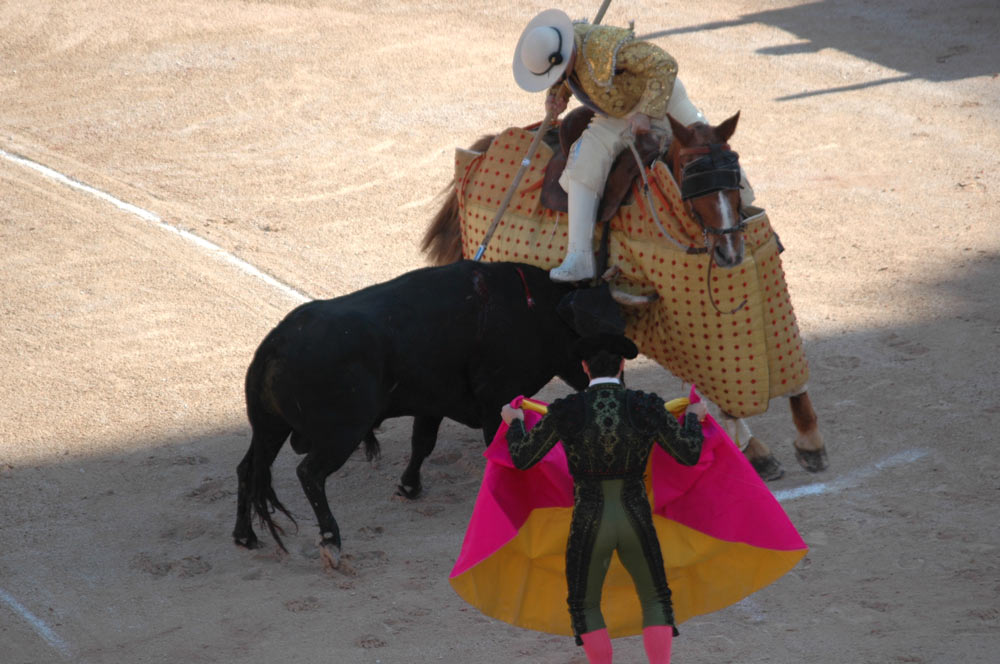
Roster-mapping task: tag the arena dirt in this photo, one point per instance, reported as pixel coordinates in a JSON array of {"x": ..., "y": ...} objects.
[{"x": 311, "y": 139}]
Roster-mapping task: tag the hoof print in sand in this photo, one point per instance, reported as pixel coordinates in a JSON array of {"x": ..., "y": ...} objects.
[
  {"x": 211, "y": 490},
  {"x": 370, "y": 641},
  {"x": 302, "y": 604},
  {"x": 183, "y": 568}
]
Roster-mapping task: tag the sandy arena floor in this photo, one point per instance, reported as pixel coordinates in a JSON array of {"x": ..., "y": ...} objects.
[{"x": 310, "y": 139}]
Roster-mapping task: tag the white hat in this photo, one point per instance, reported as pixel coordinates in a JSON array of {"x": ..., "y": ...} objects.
[{"x": 543, "y": 52}]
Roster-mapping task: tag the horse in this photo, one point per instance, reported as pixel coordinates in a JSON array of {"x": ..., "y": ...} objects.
[
  {"x": 456, "y": 341},
  {"x": 730, "y": 330}
]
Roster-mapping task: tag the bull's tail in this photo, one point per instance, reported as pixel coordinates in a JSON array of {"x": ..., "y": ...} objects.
[
  {"x": 372, "y": 449},
  {"x": 270, "y": 431},
  {"x": 262, "y": 496},
  {"x": 443, "y": 240}
]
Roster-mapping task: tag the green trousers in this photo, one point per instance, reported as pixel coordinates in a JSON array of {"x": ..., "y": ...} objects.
[{"x": 608, "y": 516}]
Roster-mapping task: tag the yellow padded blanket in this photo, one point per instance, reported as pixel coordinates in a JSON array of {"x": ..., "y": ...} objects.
[{"x": 740, "y": 361}]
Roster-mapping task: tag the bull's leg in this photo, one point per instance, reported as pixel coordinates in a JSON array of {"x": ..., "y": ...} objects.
[
  {"x": 810, "y": 451},
  {"x": 425, "y": 432},
  {"x": 756, "y": 452},
  {"x": 265, "y": 444},
  {"x": 322, "y": 460},
  {"x": 243, "y": 533},
  {"x": 491, "y": 422}
]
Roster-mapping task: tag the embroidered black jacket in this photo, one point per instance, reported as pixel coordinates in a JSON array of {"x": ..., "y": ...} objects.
[{"x": 607, "y": 431}]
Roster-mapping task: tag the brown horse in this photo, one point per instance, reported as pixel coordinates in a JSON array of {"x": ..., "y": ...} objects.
[{"x": 684, "y": 210}]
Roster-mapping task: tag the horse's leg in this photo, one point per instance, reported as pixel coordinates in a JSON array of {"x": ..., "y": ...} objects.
[
  {"x": 325, "y": 457},
  {"x": 809, "y": 447},
  {"x": 756, "y": 452},
  {"x": 425, "y": 431}
]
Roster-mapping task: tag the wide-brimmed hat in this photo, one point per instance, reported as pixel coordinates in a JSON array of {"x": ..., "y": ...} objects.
[
  {"x": 616, "y": 344},
  {"x": 543, "y": 51}
]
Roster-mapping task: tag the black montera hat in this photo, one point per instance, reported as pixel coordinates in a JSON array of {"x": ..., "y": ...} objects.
[{"x": 616, "y": 344}]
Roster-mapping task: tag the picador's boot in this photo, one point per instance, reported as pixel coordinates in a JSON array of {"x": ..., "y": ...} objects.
[{"x": 579, "y": 262}]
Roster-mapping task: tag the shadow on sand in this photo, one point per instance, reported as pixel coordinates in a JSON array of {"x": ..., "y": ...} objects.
[{"x": 922, "y": 40}]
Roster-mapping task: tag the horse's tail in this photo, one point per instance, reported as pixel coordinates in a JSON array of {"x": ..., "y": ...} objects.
[
  {"x": 443, "y": 240},
  {"x": 269, "y": 434}
]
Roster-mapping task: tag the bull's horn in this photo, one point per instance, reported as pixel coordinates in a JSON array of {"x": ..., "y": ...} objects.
[
  {"x": 612, "y": 272},
  {"x": 629, "y": 300}
]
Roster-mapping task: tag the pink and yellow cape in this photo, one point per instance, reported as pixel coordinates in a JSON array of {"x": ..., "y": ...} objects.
[{"x": 722, "y": 533}]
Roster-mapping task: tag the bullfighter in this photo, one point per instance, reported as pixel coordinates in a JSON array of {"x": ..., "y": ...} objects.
[{"x": 608, "y": 433}]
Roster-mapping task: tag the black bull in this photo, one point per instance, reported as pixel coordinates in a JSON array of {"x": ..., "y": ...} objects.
[{"x": 456, "y": 341}]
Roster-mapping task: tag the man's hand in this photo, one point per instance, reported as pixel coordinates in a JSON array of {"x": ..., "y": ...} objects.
[
  {"x": 510, "y": 414},
  {"x": 638, "y": 123},
  {"x": 556, "y": 101},
  {"x": 699, "y": 409}
]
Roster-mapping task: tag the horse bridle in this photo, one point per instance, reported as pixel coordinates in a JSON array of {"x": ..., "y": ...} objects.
[{"x": 716, "y": 168}]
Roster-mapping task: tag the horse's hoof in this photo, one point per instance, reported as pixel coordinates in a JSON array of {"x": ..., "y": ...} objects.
[
  {"x": 408, "y": 492},
  {"x": 768, "y": 468},
  {"x": 812, "y": 460}
]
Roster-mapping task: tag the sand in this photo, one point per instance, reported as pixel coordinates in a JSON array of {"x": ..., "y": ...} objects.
[{"x": 310, "y": 140}]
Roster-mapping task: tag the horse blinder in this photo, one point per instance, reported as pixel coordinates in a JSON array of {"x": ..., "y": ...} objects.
[{"x": 717, "y": 169}]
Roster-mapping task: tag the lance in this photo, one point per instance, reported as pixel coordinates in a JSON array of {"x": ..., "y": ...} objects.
[{"x": 526, "y": 162}]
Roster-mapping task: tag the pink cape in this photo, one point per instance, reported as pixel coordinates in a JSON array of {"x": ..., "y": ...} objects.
[{"x": 722, "y": 533}]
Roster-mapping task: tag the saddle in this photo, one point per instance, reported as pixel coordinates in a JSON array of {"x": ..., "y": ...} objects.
[{"x": 623, "y": 173}]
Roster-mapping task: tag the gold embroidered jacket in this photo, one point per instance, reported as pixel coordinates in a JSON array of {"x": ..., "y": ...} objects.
[{"x": 618, "y": 74}]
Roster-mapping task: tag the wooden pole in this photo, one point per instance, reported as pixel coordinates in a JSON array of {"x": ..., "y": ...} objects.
[
  {"x": 525, "y": 163},
  {"x": 600, "y": 12}
]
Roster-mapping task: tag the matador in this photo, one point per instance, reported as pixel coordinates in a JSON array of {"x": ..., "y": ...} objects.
[{"x": 608, "y": 433}]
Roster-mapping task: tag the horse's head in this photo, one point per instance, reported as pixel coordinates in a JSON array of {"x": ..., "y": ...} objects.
[{"x": 708, "y": 175}]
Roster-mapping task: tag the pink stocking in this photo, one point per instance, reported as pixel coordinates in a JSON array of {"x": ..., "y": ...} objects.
[
  {"x": 657, "y": 641},
  {"x": 597, "y": 645}
]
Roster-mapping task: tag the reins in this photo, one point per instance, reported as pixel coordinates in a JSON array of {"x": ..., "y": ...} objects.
[
  {"x": 649, "y": 198},
  {"x": 722, "y": 173},
  {"x": 708, "y": 285}
]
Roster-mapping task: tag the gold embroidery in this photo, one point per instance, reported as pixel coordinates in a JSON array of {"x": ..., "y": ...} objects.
[
  {"x": 599, "y": 48},
  {"x": 621, "y": 75}
]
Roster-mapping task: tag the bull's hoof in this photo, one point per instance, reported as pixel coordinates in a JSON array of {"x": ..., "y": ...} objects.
[
  {"x": 768, "y": 468},
  {"x": 812, "y": 460},
  {"x": 330, "y": 554},
  {"x": 249, "y": 541},
  {"x": 760, "y": 457},
  {"x": 409, "y": 492}
]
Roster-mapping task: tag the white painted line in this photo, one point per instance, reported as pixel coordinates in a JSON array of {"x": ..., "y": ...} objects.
[
  {"x": 851, "y": 479},
  {"x": 36, "y": 623},
  {"x": 752, "y": 609},
  {"x": 153, "y": 218}
]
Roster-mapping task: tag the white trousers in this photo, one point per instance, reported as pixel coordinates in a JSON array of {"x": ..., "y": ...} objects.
[{"x": 590, "y": 157}]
